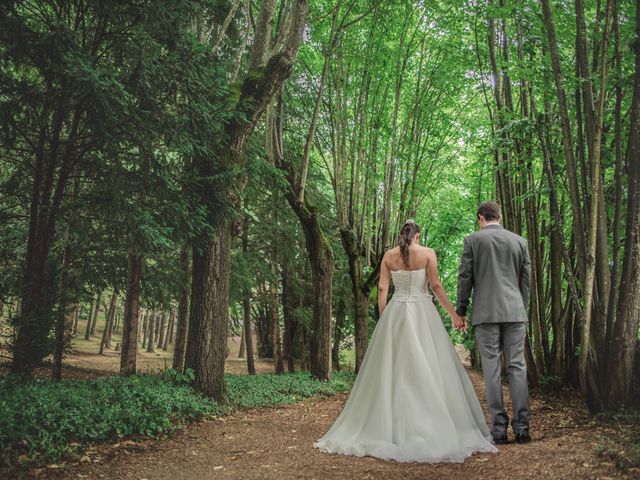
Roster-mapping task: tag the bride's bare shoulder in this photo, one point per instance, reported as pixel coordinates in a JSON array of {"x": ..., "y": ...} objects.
[
  {"x": 430, "y": 251},
  {"x": 392, "y": 252},
  {"x": 391, "y": 255},
  {"x": 428, "y": 254},
  {"x": 425, "y": 250}
]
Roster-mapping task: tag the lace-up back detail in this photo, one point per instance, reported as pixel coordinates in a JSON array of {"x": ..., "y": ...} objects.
[{"x": 409, "y": 284}]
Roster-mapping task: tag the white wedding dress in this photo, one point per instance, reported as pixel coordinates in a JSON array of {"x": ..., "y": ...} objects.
[{"x": 412, "y": 400}]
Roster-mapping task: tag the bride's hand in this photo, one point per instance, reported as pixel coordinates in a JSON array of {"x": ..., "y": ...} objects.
[{"x": 459, "y": 323}]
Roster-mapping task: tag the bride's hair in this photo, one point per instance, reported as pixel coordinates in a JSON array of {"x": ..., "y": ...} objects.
[{"x": 407, "y": 232}]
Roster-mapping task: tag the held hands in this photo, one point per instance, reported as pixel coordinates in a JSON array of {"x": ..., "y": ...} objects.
[{"x": 460, "y": 323}]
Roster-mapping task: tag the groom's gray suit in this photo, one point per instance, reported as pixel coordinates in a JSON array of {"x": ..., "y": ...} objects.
[{"x": 495, "y": 265}]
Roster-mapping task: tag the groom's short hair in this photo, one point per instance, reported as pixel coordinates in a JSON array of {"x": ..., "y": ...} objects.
[{"x": 490, "y": 211}]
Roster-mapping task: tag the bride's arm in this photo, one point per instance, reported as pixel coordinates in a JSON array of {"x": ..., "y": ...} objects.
[
  {"x": 436, "y": 286},
  {"x": 383, "y": 286}
]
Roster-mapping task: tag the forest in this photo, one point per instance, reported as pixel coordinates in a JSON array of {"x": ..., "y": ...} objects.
[{"x": 189, "y": 184}]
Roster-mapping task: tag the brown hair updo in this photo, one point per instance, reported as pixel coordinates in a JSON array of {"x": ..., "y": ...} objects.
[{"x": 407, "y": 232}]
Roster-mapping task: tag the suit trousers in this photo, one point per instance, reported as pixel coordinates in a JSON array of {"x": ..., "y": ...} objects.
[{"x": 493, "y": 339}]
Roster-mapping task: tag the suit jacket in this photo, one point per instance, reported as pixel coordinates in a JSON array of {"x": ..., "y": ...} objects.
[{"x": 495, "y": 265}]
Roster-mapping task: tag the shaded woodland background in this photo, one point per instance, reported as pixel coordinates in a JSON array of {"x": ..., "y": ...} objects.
[{"x": 187, "y": 171}]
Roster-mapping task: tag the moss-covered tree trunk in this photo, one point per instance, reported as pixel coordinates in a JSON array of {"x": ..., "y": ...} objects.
[{"x": 269, "y": 67}]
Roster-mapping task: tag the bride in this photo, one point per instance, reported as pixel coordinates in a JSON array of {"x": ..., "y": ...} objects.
[{"x": 412, "y": 400}]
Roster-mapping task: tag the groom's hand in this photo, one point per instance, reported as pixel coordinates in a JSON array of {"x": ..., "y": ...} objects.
[
  {"x": 465, "y": 319},
  {"x": 459, "y": 323}
]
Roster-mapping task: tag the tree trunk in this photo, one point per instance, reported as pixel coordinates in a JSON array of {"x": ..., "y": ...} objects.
[
  {"x": 623, "y": 346},
  {"x": 246, "y": 303},
  {"x": 319, "y": 252},
  {"x": 337, "y": 335},
  {"x": 159, "y": 320},
  {"x": 289, "y": 304},
  {"x": 206, "y": 346},
  {"x": 557, "y": 241},
  {"x": 145, "y": 328},
  {"x": 617, "y": 215},
  {"x": 162, "y": 330},
  {"x": 248, "y": 336},
  {"x": 321, "y": 261},
  {"x": 241, "y": 352},
  {"x": 87, "y": 332},
  {"x": 321, "y": 257},
  {"x": 264, "y": 330},
  {"x": 589, "y": 386},
  {"x": 151, "y": 324},
  {"x": 532, "y": 369},
  {"x": 62, "y": 316},
  {"x": 302, "y": 346},
  {"x": 558, "y": 318},
  {"x": 141, "y": 313},
  {"x": 96, "y": 310},
  {"x": 602, "y": 271},
  {"x": 275, "y": 321},
  {"x": 183, "y": 314},
  {"x": 108, "y": 323},
  {"x": 129, "y": 350},
  {"x": 76, "y": 317},
  {"x": 54, "y": 163},
  {"x": 567, "y": 141},
  {"x": 360, "y": 298},
  {"x": 168, "y": 333},
  {"x": 34, "y": 321},
  {"x": 208, "y": 320}
]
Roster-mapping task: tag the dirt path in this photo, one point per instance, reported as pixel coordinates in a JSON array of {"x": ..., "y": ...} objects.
[{"x": 276, "y": 443}]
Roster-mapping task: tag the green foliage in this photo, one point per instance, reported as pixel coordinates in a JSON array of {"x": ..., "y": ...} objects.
[
  {"x": 178, "y": 378},
  {"x": 248, "y": 391},
  {"x": 40, "y": 418},
  {"x": 41, "y": 421},
  {"x": 131, "y": 111}
]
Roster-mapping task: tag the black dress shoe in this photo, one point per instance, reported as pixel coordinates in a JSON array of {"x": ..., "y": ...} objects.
[
  {"x": 523, "y": 437},
  {"x": 501, "y": 440}
]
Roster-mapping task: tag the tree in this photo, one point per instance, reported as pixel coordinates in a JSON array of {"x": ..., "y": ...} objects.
[{"x": 268, "y": 69}]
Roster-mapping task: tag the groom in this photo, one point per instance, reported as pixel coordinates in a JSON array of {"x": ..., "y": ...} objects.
[{"x": 495, "y": 265}]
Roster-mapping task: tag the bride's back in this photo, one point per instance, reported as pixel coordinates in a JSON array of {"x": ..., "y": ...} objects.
[{"x": 418, "y": 258}]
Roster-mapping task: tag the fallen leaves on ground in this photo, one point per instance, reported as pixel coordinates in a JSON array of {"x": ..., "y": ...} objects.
[{"x": 277, "y": 443}]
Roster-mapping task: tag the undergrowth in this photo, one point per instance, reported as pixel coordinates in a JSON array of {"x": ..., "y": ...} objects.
[
  {"x": 42, "y": 421},
  {"x": 621, "y": 441}
]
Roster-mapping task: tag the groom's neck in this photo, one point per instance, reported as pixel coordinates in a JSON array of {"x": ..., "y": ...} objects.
[{"x": 491, "y": 223}]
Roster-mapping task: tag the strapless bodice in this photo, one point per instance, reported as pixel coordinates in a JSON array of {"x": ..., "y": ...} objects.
[{"x": 409, "y": 284}]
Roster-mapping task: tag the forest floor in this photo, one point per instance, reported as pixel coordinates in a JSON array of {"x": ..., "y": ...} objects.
[{"x": 277, "y": 442}]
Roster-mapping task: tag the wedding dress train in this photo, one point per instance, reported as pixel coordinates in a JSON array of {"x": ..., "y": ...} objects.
[{"x": 412, "y": 400}]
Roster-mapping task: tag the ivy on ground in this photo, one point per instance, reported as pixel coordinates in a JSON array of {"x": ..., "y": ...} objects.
[{"x": 42, "y": 421}]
